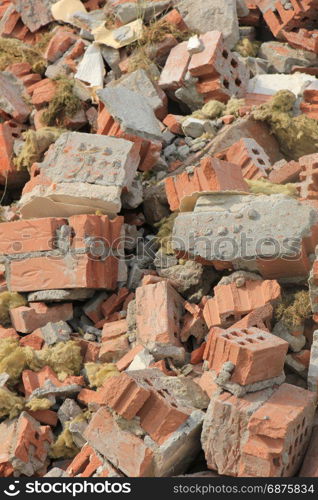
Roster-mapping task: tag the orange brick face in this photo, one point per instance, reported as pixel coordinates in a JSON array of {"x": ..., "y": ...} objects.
[
  {"x": 211, "y": 175},
  {"x": 162, "y": 322},
  {"x": 256, "y": 354}
]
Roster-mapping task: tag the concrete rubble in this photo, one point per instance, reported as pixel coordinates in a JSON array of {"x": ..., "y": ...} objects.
[{"x": 158, "y": 238}]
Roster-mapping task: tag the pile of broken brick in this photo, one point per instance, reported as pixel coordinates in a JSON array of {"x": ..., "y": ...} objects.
[{"x": 159, "y": 220}]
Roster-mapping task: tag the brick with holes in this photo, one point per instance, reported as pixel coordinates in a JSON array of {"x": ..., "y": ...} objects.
[
  {"x": 265, "y": 433},
  {"x": 257, "y": 355},
  {"x": 25, "y": 445},
  {"x": 250, "y": 156},
  {"x": 211, "y": 175},
  {"x": 301, "y": 14},
  {"x": 219, "y": 72},
  {"x": 308, "y": 187}
]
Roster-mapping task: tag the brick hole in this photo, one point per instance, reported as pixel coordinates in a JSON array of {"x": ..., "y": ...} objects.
[
  {"x": 173, "y": 405},
  {"x": 260, "y": 161},
  {"x": 306, "y": 431},
  {"x": 298, "y": 427},
  {"x": 36, "y": 435},
  {"x": 222, "y": 157},
  {"x": 256, "y": 152},
  {"x": 303, "y": 423},
  {"x": 226, "y": 83},
  {"x": 261, "y": 338},
  {"x": 290, "y": 449},
  {"x": 293, "y": 460},
  {"x": 225, "y": 54},
  {"x": 251, "y": 341},
  {"x": 296, "y": 441},
  {"x": 234, "y": 63},
  {"x": 227, "y": 336},
  {"x": 276, "y": 461},
  {"x": 238, "y": 82},
  {"x": 241, "y": 342},
  {"x": 149, "y": 382},
  {"x": 236, "y": 334}
]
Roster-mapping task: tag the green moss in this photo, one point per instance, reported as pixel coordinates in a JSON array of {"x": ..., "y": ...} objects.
[
  {"x": 297, "y": 136},
  {"x": 9, "y": 300},
  {"x": 165, "y": 227},
  {"x": 35, "y": 145},
  {"x": 263, "y": 186},
  {"x": 14, "y": 51},
  {"x": 64, "y": 104},
  {"x": 246, "y": 48},
  {"x": 293, "y": 309}
]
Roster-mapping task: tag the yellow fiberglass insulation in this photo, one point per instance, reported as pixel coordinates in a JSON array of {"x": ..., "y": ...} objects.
[
  {"x": 9, "y": 300},
  {"x": 36, "y": 404},
  {"x": 98, "y": 373},
  {"x": 263, "y": 186},
  {"x": 11, "y": 405},
  {"x": 297, "y": 135}
]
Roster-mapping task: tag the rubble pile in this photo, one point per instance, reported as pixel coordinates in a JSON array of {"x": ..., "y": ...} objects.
[{"x": 158, "y": 238}]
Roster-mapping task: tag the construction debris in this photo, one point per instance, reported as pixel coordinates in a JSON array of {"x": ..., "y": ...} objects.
[{"x": 158, "y": 238}]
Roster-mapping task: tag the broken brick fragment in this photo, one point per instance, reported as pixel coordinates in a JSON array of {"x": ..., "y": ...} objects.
[{"x": 211, "y": 175}]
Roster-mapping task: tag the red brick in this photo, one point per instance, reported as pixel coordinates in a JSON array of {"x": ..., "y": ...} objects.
[
  {"x": 308, "y": 187},
  {"x": 259, "y": 434},
  {"x": 33, "y": 380},
  {"x": 284, "y": 172},
  {"x": 22, "y": 439},
  {"x": 34, "y": 340},
  {"x": 250, "y": 156},
  {"x": 211, "y": 175},
  {"x": 302, "y": 14},
  {"x": 27, "y": 319},
  {"x": 174, "y": 124},
  {"x": 43, "y": 92},
  {"x": 85, "y": 464},
  {"x": 6, "y": 333},
  {"x": 256, "y": 354},
  {"x": 42, "y": 273},
  {"x": 113, "y": 349},
  {"x": 124, "y": 395},
  {"x": 162, "y": 322},
  {"x": 128, "y": 358},
  {"x": 120, "y": 447},
  {"x": 47, "y": 417},
  {"x": 175, "y": 69},
  {"x": 230, "y": 303},
  {"x": 9, "y": 132},
  {"x": 59, "y": 44},
  {"x": 34, "y": 235}
]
